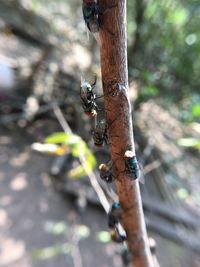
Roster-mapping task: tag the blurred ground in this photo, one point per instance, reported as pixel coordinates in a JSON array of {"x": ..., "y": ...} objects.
[
  {"x": 33, "y": 216},
  {"x": 40, "y": 227},
  {"x": 29, "y": 205}
]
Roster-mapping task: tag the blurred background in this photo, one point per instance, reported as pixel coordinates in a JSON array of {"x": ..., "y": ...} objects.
[{"x": 49, "y": 212}]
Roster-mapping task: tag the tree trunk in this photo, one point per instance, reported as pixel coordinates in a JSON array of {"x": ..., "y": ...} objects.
[{"x": 113, "y": 50}]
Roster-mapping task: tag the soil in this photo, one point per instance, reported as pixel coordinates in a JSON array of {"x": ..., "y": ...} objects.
[{"x": 33, "y": 214}]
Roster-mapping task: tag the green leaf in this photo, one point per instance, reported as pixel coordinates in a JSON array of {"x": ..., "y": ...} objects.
[
  {"x": 196, "y": 110},
  {"x": 57, "y": 138},
  {"x": 83, "y": 170},
  {"x": 62, "y": 138},
  {"x": 79, "y": 149},
  {"x": 189, "y": 142}
]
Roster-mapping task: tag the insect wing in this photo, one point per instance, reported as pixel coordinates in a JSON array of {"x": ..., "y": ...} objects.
[
  {"x": 141, "y": 174},
  {"x": 97, "y": 37},
  {"x": 83, "y": 93}
]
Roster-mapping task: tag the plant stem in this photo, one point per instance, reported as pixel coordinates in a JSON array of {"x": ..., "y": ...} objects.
[{"x": 113, "y": 50}]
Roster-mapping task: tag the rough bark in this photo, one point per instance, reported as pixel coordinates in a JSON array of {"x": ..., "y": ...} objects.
[{"x": 113, "y": 52}]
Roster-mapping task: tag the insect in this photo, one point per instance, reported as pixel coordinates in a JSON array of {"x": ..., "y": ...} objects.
[
  {"x": 100, "y": 133},
  {"x": 91, "y": 14},
  {"x": 117, "y": 237},
  {"x": 88, "y": 98},
  {"x": 106, "y": 172},
  {"x": 114, "y": 215},
  {"x": 132, "y": 165}
]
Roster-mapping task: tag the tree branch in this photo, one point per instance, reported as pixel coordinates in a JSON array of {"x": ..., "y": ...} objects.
[{"x": 113, "y": 52}]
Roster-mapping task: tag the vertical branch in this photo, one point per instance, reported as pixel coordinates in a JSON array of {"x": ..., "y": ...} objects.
[{"x": 113, "y": 52}]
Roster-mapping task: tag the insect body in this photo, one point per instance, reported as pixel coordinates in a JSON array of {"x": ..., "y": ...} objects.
[
  {"x": 91, "y": 15},
  {"x": 114, "y": 215},
  {"x": 88, "y": 98},
  {"x": 106, "y": 172},
  {"x": 132, "y": 165},
  {"x": 100, "y": 133},
  {"x": 117, "y": 237}
]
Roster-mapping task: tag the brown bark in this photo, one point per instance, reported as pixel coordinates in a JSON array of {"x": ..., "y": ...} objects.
[{"x": 113, "y": 52}]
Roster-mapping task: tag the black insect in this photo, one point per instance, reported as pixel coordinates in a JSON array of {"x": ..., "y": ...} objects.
[
  {"x": 117, "y": 237},
  {"x": 100, "y": 133},
  {"x": 114, "y": 215},
  {"x": 132, "y": 165},
  {"x": 88, "y": 98},
  {"x": 91, "y": 13},
  {"x": 106, "y": 172}
]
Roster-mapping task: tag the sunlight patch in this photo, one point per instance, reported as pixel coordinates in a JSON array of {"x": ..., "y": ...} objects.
[{"x": 19, "y": 182}]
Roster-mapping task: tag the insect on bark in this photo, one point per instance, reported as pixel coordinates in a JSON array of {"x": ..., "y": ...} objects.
[
  {"x": 92, "y": 16},
  {"x": 117, "y": 237},
  {"x": 105, "y": 170},
  {"x": 100, "y": 133},
  {"x": 132, "y": 165},
  {"x": 114, "y": 215},
  {"x": 88, "y": 98}
]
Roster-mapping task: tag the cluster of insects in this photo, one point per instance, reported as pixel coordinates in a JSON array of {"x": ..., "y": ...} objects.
[
  {"x": 92, "y": 14},
  {"x": 100, "y": 137}
]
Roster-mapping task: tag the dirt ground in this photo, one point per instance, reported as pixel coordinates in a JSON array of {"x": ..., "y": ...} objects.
[{"x": 40, "y": 227}]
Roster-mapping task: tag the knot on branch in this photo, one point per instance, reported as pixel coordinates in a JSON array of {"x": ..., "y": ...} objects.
[{"x": 113, "y": 88}]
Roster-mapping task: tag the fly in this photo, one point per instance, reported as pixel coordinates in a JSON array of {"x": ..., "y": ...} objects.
[
  {"x": 91, "y": 14},
  {"x": 132, "y": 165},
  {"x": 117, "y": 237},
  {"x": 88, "y": 98},
  {"x": 106, "y": 172},
  {"x": 100, "y": 133},
  {"x": 114, "y": 215}
]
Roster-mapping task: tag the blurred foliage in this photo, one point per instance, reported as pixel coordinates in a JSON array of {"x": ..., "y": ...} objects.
[
  {"x": 60, "y": 143},
  {"x": 163, "y": 46},
  {"x": 190, "y": 143},
  {"x": 78, "y": 148},
  {"x": 163, "y": 50},
  {"x": 73, "y": 234}
]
